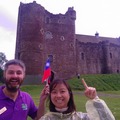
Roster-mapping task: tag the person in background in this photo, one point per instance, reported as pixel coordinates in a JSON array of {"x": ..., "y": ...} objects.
[
  {"x": 62, "y": 106},
  {"x": 14, "y": 103},
  {"x": 78, "y": 76}
]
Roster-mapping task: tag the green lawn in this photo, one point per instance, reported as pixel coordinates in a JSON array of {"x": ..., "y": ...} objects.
[
  {"x": 107, "y": 85},
  {"x": 112, "y": 102},
  {"x": 80, "y": 100}
]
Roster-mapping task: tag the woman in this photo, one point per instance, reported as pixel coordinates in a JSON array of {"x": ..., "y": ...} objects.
[{"x": 61, "y": 104}]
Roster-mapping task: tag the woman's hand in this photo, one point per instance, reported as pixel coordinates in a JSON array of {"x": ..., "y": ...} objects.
[
  {"x": 44, "y": 93},
  {"x": 90, "y": 92}
]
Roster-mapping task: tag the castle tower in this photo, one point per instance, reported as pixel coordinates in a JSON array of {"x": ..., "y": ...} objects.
[
  {"x": 41, "y": 34},
  {"x": 29, "y": 43},
  {"x": 60, "y": 42}
]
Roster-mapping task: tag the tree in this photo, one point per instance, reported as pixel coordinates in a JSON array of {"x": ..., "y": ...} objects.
[
  {"x": 1, "y": 75},
  {"x": 3, "y": 60}
]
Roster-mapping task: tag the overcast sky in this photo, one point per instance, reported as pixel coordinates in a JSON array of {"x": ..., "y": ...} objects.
[{"x": 102, "y": 16}]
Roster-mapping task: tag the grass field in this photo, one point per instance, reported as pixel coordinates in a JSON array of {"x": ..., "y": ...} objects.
[
  {"x": 107, "y": 85},
  {"x": 112, "y": 99}
]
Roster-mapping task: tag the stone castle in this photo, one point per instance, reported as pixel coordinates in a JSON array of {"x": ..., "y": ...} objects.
[{"x": 41, "y": 34}]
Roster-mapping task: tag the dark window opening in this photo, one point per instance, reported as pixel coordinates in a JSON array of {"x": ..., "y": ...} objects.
[
  {"x": 47, "y": 20},
  {"x": 117, "y": 71},
  {"x": 82, "y": 56},
  {"x": 50, "y": 57},
  {"x": 111, "y": 55},
  {"x": 18, "y": 55}
]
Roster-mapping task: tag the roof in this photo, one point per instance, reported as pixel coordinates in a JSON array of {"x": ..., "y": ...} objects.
[{"x": 97, "y": 39}]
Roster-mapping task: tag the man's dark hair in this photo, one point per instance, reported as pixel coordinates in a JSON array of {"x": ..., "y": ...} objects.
[{"x": 15, "y": 62}]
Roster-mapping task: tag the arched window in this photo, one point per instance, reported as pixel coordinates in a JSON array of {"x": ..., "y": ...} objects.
[{"x": 48, "y": 35}]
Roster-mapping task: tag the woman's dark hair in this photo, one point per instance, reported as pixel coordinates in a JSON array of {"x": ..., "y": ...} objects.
[{"x": 71, "y": 104}]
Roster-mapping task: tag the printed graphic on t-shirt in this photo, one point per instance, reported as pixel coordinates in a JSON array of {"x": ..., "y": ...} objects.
[{"x": 24, "y": 106}]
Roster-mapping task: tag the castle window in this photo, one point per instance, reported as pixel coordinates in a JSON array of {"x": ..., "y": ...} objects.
[
  {"x": 71, "y": 45},
  {"x": 42, "y": 31},
  {"x": 50, "y": 57},
  {"x": 47, "y": 20},
  {"x": 111, "y": 55},
  {"x": 62, "y": 38},
  {"x": 82, "y": 56},
  {"x": 48, "y": 35},
  {"x": 40, "y": 46},
  {"x": 117, "y": 71},
  {"x": 18, "y": 55},
  {"x": 59, "y": 21}
]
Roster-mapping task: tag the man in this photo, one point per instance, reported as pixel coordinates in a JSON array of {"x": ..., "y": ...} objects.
[{"x": 14, "y": 103}]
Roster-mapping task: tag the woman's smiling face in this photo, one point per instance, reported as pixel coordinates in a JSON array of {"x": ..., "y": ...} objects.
[{"x": 60, "y": 96}]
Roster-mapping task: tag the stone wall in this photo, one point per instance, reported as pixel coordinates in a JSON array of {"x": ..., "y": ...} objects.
[{"x": 41, "y": 34}]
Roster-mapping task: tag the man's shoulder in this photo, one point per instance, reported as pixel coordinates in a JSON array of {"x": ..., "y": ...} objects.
[
  {"x": 24, "y": 94},
  {"x": 1, "y": 87}
]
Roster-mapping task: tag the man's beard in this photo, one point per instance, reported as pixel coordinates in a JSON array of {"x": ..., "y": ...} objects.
[{"x": 13, "y": 88}]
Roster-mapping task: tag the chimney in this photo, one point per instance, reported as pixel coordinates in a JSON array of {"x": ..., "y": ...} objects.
[{"x": 96, "y": 34}]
